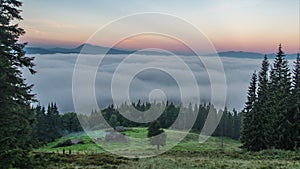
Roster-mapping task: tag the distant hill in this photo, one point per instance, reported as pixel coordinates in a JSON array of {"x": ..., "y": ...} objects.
[
  {"x": 93, "y": 49},
  {"x": 88, "y": 49},
  {"x": 252, "y": 55},
  {"x": 84, "y": 48},
  {"x": 241, "y": 54}
]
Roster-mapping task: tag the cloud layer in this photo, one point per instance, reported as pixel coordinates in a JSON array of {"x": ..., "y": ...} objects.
[{"x": 53, "y": 82}]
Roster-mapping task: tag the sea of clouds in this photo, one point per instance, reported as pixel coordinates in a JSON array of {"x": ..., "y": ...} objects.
[{"x": 53, "y": 80}]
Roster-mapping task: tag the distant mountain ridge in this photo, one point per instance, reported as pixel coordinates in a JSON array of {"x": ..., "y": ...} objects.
[
  {"x": 84, "y": 48},
  {"x": 88, "y": 49},
  {"x": 93, "y": 49}
]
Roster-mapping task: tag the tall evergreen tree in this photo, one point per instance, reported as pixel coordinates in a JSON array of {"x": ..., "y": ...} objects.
[
  {"x": 249, "y": 127},
  {"x": 274, "y": 121},
  {"x": 70, "y": 123},
  {"x": 39, "y": 128},
  {"x": 295, "y": 100},
  {"x": 16, "y": 116},
  {"x": 113, "y": 121},
  {"x": 261, "y": 111},
  {"x": 53, "y": 124},
  {"x": 280, "y": 82},
  {"x": 236, "y": 124}
]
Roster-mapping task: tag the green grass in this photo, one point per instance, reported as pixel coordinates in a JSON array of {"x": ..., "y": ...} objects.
[
  {"x": 189, "y": 153},
  {"x": 136, "y": 132},
  {"x": 87, "y": 147}
]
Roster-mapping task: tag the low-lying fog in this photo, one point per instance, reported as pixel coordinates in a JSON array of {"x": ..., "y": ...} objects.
[{"x": 53, "y": 81}]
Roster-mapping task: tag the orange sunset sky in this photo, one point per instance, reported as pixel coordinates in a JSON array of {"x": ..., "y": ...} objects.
[{"x": 241, "y": 25}]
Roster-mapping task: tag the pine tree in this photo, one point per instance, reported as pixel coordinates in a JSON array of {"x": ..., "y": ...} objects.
[
  {"x": 261, "y": 111},
  {"x": 212, "y": 117},
  {"x": 249, "y": 127},
  {"x": 236, "y": 124},
  {"x": 223, "y": 125},
  {"x": 38, "y": 131},
  {"x": 16, "y": 116},
  {"x": 280, "y": 85},
  {"x": 53, "y": 124},
  {"x": 263, "y": 80},
  {"x": 113, "y": 121},
  {"x": 156, "y": 135},
  {"x": 228, "y": 123},
  {"x": 70, "y": 123},
  {"x": 295, "y": 100}
]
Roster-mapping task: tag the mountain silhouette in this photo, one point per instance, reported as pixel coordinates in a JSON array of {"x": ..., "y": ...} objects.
[{"x": 93, "y": 49}]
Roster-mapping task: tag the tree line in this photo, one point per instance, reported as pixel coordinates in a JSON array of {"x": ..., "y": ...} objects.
[
  {"x": 50, "y": 124},
  {"x": 229, "y": 122},
  {"x": 271, "y": 117}
]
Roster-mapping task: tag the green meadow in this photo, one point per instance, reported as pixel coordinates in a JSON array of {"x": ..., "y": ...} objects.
[{"x": 189, "y": 153}]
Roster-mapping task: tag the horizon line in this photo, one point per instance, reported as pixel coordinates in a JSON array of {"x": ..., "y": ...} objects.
[{"x": 125, "y": 49}]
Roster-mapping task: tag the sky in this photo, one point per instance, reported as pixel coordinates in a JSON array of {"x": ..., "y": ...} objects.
[{"x": 240, "y": 25}]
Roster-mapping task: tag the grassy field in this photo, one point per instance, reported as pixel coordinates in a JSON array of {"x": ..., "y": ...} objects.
[{"x": 189, "y": 153}]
